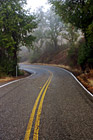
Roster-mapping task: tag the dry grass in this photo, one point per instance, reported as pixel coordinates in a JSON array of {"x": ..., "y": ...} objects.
[
  {"x": 90, "y": 81},
  {"x": 87, "y": 80},
  {"x": 8, "y": 79},
  {"x": 5, "y": 79}
]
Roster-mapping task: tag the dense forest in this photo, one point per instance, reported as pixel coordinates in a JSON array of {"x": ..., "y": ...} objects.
[{"x": 66, "y": 27}]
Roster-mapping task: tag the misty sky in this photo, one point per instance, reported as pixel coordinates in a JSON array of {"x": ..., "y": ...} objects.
[{"x": 34, "y": 4}]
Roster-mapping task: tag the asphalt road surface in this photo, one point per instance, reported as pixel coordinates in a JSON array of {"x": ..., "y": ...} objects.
[{"x": 48, "y": 105}]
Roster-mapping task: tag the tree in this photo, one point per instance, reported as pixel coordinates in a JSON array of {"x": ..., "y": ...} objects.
[
  {"x": 16, "y": 27},
  {"x": 71, "y": 34},
  {"x": 40, "y": 31},
  {"x": 80, "y": 14},
  {"x": 54, "y": 27},
  {"x": 48, "y": 28},
  {"x": 77, "y": 12}
]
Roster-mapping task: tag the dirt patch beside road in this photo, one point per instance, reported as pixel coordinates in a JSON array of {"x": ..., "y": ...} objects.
[
  {"x": 87, "y": 80},
  {"x": 9, "y": 79}
]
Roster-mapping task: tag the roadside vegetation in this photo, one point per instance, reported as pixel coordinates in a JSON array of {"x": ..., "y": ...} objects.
[
  {"x": 80, "y": 15},
  {"x": 6, "y": 78},
  {"x": 16, "y": 27}
]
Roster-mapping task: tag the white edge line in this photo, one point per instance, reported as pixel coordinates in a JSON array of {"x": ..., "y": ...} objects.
[
  {"x": 15, "y": 81},
  {"x": 34, "y": 73},
  {"x": 79, "y": 82}
]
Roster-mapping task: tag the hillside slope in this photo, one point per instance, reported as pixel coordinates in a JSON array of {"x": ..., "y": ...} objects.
[{"x": 60, "y": 57}]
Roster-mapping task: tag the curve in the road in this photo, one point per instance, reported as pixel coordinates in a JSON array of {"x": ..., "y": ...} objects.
[
  {"x": 33, "y": 72},
  {"x": 66, "y": 111}
]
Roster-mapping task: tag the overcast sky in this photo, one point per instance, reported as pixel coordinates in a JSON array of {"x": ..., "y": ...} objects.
[{"x": 34, "y": 4}]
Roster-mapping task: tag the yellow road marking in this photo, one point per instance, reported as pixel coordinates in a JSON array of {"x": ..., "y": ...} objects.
[
  {"x": 29, "y": 127},
  {"x": 37, "y": 122}
]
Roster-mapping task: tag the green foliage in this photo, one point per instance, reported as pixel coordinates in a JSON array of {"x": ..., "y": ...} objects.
[
  {"x": 85, "y": 56},
  {"x": 90, "y": 34},
  {"x": 80, "y": 14},
  {"x": 73, "y": 55},
  {"x": 82, "y": 54},
  {"x": 16, "y": 27},
  {"x": 2, "y": 73}
]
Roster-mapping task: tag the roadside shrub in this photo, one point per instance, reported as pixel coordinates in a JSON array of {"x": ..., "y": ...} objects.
[
  {"x": 73, "y": 56},
  {"x": 2, "y": 73},
  {"x": 85, "y": 56}
]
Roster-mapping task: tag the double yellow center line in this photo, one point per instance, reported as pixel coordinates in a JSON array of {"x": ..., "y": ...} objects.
[{"x": 37, "y": 121}]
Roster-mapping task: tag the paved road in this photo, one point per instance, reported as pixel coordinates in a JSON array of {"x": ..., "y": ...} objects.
[{"x": 49, "y": 105}]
